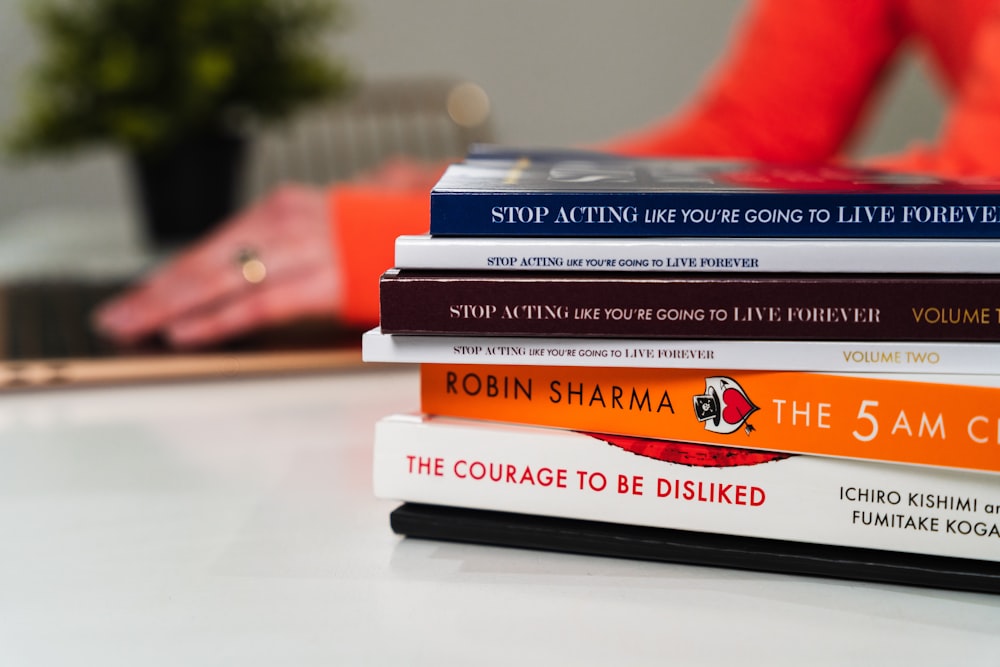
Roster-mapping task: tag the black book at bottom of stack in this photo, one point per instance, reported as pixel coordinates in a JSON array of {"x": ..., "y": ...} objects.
[{"x": 694, "y": 548}]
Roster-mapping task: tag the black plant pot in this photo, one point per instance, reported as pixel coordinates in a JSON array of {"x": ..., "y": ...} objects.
[{"x": 187, "y": 188}]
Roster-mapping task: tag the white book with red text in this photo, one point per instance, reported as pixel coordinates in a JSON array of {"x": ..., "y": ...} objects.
[
  {"x": 779, "y": 255},
  {"x": 663, "y": 484},
  {"x": 780, "y": 355}
]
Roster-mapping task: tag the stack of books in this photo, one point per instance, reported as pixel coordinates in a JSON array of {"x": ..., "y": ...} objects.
[{"x": 718, "y": 362}]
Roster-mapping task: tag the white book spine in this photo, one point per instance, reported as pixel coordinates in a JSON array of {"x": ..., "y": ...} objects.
[
  {"x": 816, "y": 356},
  {"x": 572, "y": 475},
  {"x": 686, "y": 254}
]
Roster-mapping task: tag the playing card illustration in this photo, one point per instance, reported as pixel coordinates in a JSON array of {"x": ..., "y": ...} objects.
[{"x": 724, "y": 407}]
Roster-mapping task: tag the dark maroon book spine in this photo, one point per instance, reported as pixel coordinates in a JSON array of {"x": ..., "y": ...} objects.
[{"x": 697, "y": 306}]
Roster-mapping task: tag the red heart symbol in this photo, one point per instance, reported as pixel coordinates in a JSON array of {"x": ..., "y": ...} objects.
[{"x": 738, "y": 407}]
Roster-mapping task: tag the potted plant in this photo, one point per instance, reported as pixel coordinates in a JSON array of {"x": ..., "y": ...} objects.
[{"x": 175, "y": 83}]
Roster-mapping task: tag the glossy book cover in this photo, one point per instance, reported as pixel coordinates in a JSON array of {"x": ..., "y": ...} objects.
[
  {"x": 668, "y": 484},
  {"x": 678, "y": 305},
  {"x": 934, "y": 419},
  {"x": 498, "y": 192}
]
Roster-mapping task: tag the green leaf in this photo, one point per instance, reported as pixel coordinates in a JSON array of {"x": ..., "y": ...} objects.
[{"x": 139, "y": 73}]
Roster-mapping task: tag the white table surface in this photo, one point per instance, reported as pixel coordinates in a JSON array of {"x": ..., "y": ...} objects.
[{"x": 232, "y": 523}]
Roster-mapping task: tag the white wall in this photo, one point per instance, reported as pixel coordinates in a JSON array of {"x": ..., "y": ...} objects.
[{"x": 558, "y": 72}]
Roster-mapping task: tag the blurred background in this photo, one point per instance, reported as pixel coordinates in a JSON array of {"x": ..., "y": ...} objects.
[{"x": 555, "y": 73}]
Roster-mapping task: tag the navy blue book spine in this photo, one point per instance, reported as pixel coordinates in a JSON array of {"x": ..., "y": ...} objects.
[{"x": 929, "y": 214}]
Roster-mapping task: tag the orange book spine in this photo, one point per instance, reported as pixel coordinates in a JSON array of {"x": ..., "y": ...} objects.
[{"x": 936, "y": 420}]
